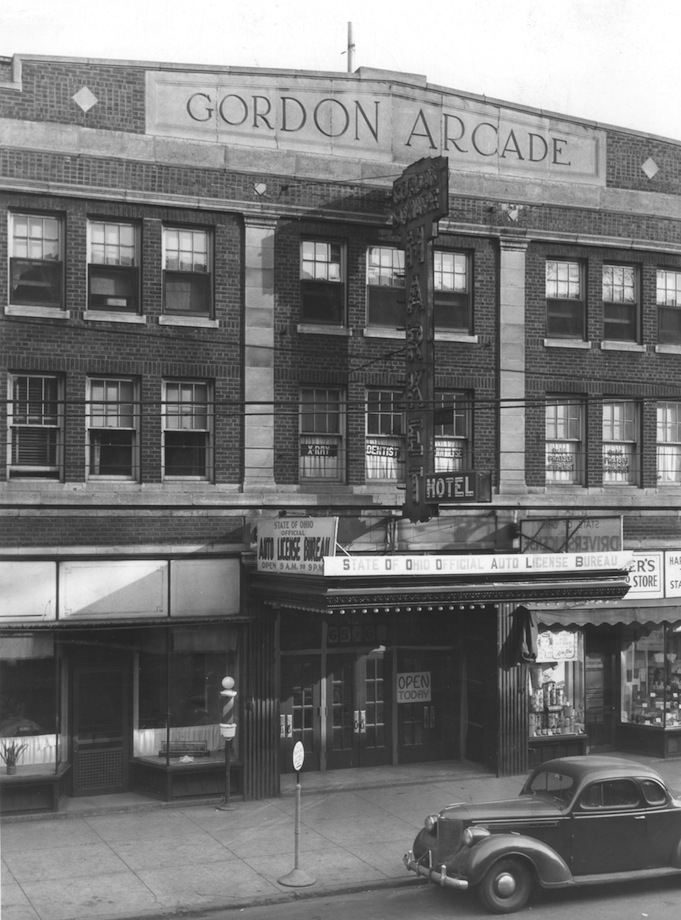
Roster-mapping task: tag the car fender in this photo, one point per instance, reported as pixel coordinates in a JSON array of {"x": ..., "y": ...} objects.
[{"x": 551, "y": 869}]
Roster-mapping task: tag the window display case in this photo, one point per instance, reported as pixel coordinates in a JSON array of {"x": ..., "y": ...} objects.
[
  {"x": 556, "y": 718},
  {"x": 651, "y": 678}
]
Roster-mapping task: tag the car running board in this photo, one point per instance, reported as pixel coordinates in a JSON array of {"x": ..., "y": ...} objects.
[{"x": 632, "y": 875}]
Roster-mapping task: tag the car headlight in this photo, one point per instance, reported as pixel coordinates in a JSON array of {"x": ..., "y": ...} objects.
[
  {"x": 431, "y": 823},
  {"x": 473, "y": 835}
]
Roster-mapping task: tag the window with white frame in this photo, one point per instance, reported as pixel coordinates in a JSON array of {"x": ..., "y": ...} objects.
[
  {"x": 113, "y": 280},
  {"x": 385, "y": 446},
  {"x": 321, "y": 282},
  {"x": 621, "y": 447},
  {"x": 564, "y": 437},
  {"x": 36, "y": 261},
  {"x": 668, "y": 306},
  {"x": 187, "y": 271},
  {"x": 385, "y": 287},
  {"x": 451, "y": 430},
  {"x": 187, "y": 426},
  {"x": 565, "y": 300},
  {"x": 35, "y": 427},
  {"x": 113, "y": 422},
  {"x": 452, "y": 291},
  {"x": 620, "y": 303},
  {"x": 669, "y": 443},
  {"x": 322, "y": 423}
]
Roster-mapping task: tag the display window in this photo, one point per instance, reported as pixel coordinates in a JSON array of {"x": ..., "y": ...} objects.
[
  {"x": 557, "y": 684},
  {"x": 651, "y": 677}
]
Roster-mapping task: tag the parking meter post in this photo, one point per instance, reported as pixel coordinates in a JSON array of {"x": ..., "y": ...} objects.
[{"x": 297, "y": 877}]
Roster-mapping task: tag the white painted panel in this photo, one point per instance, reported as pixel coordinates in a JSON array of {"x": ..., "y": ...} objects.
[
  {"x": 204, "y": 587},
  {"x": 113, "y": 589},
  {"x": 28, "y": 591}
]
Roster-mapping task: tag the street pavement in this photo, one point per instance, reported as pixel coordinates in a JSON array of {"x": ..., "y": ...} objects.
[{"x": 107, "y": 858}]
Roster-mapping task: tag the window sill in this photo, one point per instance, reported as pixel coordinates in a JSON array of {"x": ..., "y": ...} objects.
[
  {"x": 107, "y": 316},
  {"x": 443, "y": 336},
  {"x": 42, "y": 312},
  {"x": 668, "y": 349},
  {"x": 567, "y": 343},
  {"x": 383, "y": 332},
  {"x": 613, "y": 345},
  {"x": 322, "y": 329},
  {"x": 199, "y": 321}
]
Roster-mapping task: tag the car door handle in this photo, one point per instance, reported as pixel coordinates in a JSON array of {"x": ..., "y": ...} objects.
[{"x": 639, "y": 817}]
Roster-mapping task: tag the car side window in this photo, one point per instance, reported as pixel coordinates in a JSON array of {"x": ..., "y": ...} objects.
[
  {"x": 615, "y": 793},
  {"x": 653, "y": 792}
]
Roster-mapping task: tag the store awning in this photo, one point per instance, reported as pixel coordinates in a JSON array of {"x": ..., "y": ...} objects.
[
  {"x": 606, "y": 614},
  {"x": 361, "y": 595}
]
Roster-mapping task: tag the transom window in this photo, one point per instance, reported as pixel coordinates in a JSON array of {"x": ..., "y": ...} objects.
[
  {"x": 321, "y": 277},
  {"x": 113, "y": 282},
  {"x": 385, "y": 447},
  {"x": 187, "y": 267},
  {"x": 187, "y": 414},
  {"x": 669, "y": 306},
  {"x": 35, "y": 427},
  {"x": 565, "y": 302},
  {"x": 385, "y": 286},
  {"x": 35, "y": 260},
  {"x": 564, "y": 441},
  {"x": 620, "y": 303},
  {"x": 452, "y": 291},
  {"x": 113, "y": 429},
  {"x": 451, "y": 430},
  {"x": 322, "y": 422},
  {"x": 669, "y": 443},
  {"x": 621, "y": 446}
]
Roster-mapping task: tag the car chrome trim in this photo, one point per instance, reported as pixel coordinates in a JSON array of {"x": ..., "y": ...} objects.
[{"x": 439, "y": 876}]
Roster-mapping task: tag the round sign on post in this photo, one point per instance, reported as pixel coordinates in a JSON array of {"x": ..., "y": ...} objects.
[{"x": 298, "y": 756}]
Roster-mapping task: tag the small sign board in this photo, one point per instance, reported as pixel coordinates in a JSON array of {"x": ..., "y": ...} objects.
[
  {"x": 298, "y": 756},
  {"x": 296, "y": 545}
]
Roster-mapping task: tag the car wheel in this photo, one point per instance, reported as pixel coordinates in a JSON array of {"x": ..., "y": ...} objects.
[{"x": 506, "y": 886}]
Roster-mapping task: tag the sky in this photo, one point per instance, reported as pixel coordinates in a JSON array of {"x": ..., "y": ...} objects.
[{"x": 609, "y": 61}]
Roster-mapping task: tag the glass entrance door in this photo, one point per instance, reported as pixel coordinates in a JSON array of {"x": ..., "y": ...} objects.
[
  {"x": 428, "y": 706},
  {"x": 300, "y": 706},
  {"x": 358, "y": 709},
  {"x": 101, "y": 742}
]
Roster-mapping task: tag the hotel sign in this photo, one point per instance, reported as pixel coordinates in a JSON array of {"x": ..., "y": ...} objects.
[
  {"x": 420, "y": 198},
  {"x": 369, "y": 118}
]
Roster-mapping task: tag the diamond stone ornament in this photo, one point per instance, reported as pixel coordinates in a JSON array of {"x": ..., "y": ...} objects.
[{"x": 85, "y": 99}]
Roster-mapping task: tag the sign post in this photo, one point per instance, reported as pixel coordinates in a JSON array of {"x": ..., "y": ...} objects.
[
  {"x": 420, "y": 198},
  {"x": 297, "y": 877}
]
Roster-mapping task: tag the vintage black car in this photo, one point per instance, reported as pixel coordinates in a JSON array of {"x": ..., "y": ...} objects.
[{"x": 577, "y": 821}]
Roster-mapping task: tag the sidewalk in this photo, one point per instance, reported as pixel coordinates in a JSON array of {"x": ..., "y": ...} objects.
[{"x": 107, "y": 858}]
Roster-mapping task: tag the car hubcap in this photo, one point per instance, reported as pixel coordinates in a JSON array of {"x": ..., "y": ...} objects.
[{"x": 505, "y": 885}]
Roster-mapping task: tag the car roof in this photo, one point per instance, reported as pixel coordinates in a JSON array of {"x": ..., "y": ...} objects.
[{"x": 598, "y": 766}]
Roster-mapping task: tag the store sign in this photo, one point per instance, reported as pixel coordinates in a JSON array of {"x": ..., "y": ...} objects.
[
  {"x": 295, "y": 545},
  {"x": 492, "y": 564},
  {"x": 672, "y": 572},
  {"x": 414, "y": 687},
  {"x": 556, "y": 646},
  {"x": 370, "y": 120},
  {"x": 571, "y": 535},
  {"x": 646, "y": 578}
]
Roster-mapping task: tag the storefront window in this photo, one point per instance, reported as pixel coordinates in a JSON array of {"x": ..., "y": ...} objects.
[
  {"x": 179, "y": 705},
  {"x": 651, "y": 678},
  {"x": 557, "y": 685},
  {"x": 29, "y": 700}
]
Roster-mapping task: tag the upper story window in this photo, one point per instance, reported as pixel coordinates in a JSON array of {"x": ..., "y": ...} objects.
[
  {"x": 565, "y": 300},
  {"x": 452, "y": 291},
  {"x": 385, "y": 447},
  {"x": 669, "y": 443},
  {"x": 620, "y": 303},
  {"x": 451, "y": 429},
  {"x": 564, "y": 441},
  {"x": 187, "y": 426},
  {"x": 35, "y": 427},
  {"x": 113, "y": 423},
  {"x": 621, "y": 443},
  {"x": 322, "y": 290},
  {"x": 322, "y": 424},
  {"x": 668, "y": 307},
  {"x": 187, "y": 271},
  {"x": 385, "y": 287},
  {"x": 36, "y": 257},
  {"x": 113, "y": 279}
]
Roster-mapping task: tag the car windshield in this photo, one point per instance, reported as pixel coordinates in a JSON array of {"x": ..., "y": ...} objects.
[{"x": 550, "y": 783}]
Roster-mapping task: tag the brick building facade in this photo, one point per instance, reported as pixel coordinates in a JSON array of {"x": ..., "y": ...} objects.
[{"x": 202, "y": 332}]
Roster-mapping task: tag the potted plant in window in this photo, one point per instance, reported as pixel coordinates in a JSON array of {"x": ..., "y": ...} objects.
[{"x": 11, "y": 751}]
